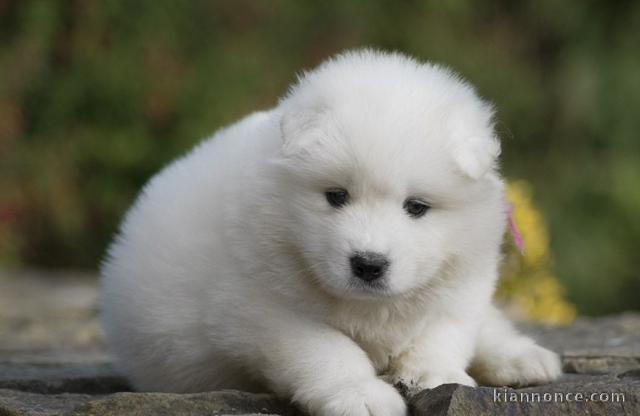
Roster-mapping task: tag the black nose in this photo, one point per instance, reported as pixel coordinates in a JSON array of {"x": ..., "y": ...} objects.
[{"x": 368, "y": 266}]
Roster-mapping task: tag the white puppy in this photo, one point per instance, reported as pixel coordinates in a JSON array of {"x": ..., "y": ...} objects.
[{"x": 354, "y": 230}]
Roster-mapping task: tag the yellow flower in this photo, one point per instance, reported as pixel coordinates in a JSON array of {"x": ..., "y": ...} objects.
[{"x": 528, "y": 288}]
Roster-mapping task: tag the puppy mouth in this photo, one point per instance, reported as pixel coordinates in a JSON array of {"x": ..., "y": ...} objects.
[{"x": 373, "y": 289}]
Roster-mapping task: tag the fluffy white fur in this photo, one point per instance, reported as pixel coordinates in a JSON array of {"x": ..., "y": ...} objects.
[{"x": 232, "y": 269}]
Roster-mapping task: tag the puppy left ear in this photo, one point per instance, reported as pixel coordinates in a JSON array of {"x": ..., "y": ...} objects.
[
  {"x": 477, "y": 155},
  {"x": 299, "y": 129}
]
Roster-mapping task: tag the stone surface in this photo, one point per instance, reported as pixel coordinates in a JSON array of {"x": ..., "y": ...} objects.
[
  {"x": 16, "y": 402},
  {"x": 600, "y": 395},
  {"x": 53, "y": 362}
]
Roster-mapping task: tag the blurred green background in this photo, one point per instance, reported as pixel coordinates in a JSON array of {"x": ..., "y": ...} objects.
[{"x": 95, "y": 96}]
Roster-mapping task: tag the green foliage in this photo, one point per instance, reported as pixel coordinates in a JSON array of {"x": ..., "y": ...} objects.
[{"x": 97, "y": 95}]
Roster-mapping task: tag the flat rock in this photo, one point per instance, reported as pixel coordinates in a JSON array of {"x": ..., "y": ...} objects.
[
  {"x": 15, "y": 402},
  {"x": 574, "y": 394},
  {"x": 53, "y": 362}
]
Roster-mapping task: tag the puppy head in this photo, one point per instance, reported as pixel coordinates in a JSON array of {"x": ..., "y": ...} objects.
[{"x": 391, "y": 173}]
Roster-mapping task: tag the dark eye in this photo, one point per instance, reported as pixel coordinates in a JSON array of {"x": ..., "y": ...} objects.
[
  {"x": 416, "y": 207},
  {"x": 337, "y": 197}
]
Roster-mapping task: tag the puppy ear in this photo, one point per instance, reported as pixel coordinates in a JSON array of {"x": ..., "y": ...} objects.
[
  {"x": 475, "y": 145},
  {"x": 476, "y": 155},
  {"x": 300, "y": 128}
]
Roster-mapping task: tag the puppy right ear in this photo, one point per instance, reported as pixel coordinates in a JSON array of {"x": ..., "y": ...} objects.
[{"x": 300, "y": 129}]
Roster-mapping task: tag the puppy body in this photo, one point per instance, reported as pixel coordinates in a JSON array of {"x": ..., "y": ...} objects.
[{"x": 233, "y": 271}]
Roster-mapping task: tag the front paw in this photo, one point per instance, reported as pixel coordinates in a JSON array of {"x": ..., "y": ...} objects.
[
  {"x": 420, "y": 380},
  {"x": 529, "y": 366},
  {"x": 371, "y": 397}
]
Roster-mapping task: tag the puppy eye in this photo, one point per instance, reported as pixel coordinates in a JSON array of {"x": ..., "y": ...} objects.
[
  {"x": 416, "y": 207},
  {"x": 337, "y": 197}
]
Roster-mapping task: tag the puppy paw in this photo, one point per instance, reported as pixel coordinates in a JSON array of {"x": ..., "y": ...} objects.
[
  {"x": 530, "y": 366},
  {"x": 429, "y": 381},
  {"x": 417, "y": 381},
  {"x": 369, "y": 398}
]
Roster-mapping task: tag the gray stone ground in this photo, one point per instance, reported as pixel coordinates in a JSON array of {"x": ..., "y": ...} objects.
[{"x": 52, "y": 362}]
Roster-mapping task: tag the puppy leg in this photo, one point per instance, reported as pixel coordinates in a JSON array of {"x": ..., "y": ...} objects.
[
  {"x": 503, "y": 357},
  {"x": 323, "y": 370}
]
